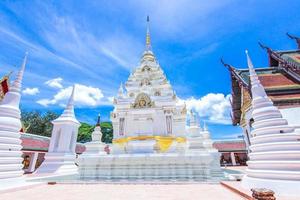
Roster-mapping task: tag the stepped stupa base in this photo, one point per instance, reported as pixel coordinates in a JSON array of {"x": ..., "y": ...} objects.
[
  {"x": 198, "y": 166},
  {"x": 58, "y": 164},
  {"x": 280, "y": 187}
]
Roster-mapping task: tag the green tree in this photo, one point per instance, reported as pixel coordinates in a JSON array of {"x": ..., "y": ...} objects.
[
  {"x": 107, "y": 132},
  {"x": 85, "y": 132},
  {"x": 40, "y": 124},
  {"x": 37, "y": 123}
]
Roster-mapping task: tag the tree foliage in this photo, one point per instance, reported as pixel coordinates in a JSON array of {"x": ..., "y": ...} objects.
[
  {"x": 40, "y": 124},
  {"x": 85, "y": 132},
  {"x": 37, "y": 123}
]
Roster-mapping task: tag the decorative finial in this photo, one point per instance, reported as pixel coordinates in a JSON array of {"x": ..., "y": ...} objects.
[
  {"x": 98, "y": 120},
  {"x": 69, "y": 110},
  {"x": 121, "y": 91},
  {"x": 263, "y": 46},
  {"x": 294, "y": 38},
  {"x": 225, "y": 64},
  {"x": 148, "y": 40}
]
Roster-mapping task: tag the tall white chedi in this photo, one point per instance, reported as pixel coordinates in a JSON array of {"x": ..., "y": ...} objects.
[
  {"x": 10, "y": 126},
  {"x": 275, "y": 147},
  {"x": 61, "y": 155}
]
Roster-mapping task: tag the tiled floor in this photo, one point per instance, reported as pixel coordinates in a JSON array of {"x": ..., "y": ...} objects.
[{"x": 123, "y": 192}]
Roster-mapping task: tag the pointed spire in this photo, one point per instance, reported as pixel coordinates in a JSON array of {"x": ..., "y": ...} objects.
[
  {"x": 148, "y": 54},
  {"x": 148, "y": 39},
  {"x": 68, "y": 113},
  {"x": 16, "y": 86},
  {"x": 98, "y": 120},
  {"x": 13, "y": 96},
  {"x": 70, "y": 107},
  {"x": 256, "y": 87},
  {"x": 121, "y": 91}
]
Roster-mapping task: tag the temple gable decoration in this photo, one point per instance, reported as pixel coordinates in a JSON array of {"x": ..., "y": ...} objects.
[{"x": 143, "y": 101}]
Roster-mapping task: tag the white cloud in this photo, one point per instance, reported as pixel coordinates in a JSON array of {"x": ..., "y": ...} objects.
[
  {"x": 110, "y": 99},
  {"x": 84, "y": 96},
  {"x": 44, "y": 102},
  {"x": 31, "y": 91},
  {"x": 55, "y": 83},
  {"x": 214, "y": 107}
]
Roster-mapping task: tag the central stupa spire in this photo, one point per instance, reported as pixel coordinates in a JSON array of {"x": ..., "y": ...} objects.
[
  {"x": 148, "y": 54},
  {"x": 148, "y": 39}
]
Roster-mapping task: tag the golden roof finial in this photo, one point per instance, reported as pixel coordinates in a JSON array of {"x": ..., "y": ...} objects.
[{"x": 148, "y": 41}]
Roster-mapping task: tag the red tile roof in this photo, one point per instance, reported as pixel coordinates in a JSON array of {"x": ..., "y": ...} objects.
[
  {"x": 230, "y": 145},
  {"x": 276, "y": 80},
  {"x": 31, "y": 142}
]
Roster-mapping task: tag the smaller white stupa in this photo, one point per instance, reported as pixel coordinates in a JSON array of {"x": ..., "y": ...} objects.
[
  {"x": 96, "y": 146},
  {"x": 60, "y": 158},
  {"x": 10, "y": 126},
  {"x": 194, "y": 139},
  {"x": 207, "y": 141},
  {"x": 275, "y": 147},
  {"x": 198, "y": 138}
]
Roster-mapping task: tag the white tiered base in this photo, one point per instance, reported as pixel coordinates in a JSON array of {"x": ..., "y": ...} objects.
[
  {"x": 200, "y": 166},
  {"x": 280, "y": 187},
  {"x": 59, "y": 164}
]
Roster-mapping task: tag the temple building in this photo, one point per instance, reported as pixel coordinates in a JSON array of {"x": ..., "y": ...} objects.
[
  {"x": 281, "y": 81},
  {"x": 151, "y": 136},
  {"x": 147, "y": 113}
]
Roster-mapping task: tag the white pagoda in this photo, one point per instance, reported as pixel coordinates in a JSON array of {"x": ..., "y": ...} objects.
[
  {"x": 60, "y": 159},
  {"x": 150, "y": 138},
  {"x": 147, "y": 117},
  {"x": 275, "y": 146}
]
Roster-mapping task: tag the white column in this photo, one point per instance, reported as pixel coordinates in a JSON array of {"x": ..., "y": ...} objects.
[
  {"x": 33, "y": 160},
  {"x": 233, "y": 158}
]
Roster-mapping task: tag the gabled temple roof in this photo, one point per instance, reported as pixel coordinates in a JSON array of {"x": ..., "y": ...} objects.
[
  {"x": 292, "y": 56},
  {"x": 281, "y": 80},
  {"x": 271, "y": 78}
]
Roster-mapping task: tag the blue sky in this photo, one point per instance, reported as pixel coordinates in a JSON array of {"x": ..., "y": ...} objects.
[{"x": 96, "y": 44}]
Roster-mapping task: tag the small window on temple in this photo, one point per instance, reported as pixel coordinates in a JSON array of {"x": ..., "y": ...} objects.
[
  {"x": 281, "y": 131},
  {"x": 157, "y": 93}
]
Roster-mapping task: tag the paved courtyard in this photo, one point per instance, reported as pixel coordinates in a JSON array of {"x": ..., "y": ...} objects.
[{"x": 123, "y": 192}]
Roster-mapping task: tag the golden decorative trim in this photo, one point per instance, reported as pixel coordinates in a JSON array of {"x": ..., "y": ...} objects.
[{"x": 162, "y": 142}]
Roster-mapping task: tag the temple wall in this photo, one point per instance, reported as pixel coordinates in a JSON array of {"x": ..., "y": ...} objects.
[{"x": 291, "y": 115}]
